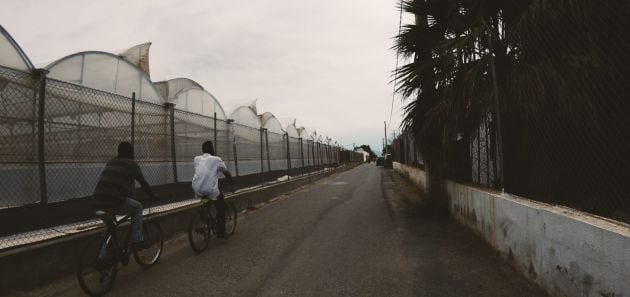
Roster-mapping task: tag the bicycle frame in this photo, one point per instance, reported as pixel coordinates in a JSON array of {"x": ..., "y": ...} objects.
[
  {"x": 212, "y": 221},
  {"x": 112, "y": 224}
]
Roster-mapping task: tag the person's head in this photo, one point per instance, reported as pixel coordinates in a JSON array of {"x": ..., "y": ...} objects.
[
  {"x": 125, "y": 150},
  {"x": 207, "y": 148}
]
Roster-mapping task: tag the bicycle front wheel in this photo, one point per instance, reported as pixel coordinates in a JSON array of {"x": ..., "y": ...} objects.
[
  {"x": 98, "y": 267},
  {"x": 199, "y": 231},
  {"x": 151, "y": 232},
  {"x": 230, "y": 218}
]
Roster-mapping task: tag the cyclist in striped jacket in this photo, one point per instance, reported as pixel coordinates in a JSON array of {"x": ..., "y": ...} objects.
[{"x": 115, "y": 191}]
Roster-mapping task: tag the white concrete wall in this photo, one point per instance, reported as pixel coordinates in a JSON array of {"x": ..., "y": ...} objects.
[
  {"x": 566, "y": 252},
  {"x": 416, "y": 175}
]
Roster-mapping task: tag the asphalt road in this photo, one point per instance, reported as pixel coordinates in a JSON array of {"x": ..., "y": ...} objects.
[{"x": 356, "y": 233}]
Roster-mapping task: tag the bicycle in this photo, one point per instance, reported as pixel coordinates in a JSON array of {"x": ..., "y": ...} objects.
[
  {"x": 98, "y": 264},
  {"x": 203, "y": 224}
]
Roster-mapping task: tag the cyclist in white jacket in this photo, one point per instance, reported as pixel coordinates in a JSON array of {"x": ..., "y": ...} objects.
[{"x": 205, "y": 182}]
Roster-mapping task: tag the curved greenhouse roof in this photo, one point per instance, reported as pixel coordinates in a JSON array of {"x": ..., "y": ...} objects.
[
  {"x": 271, "y": 123},
  {"x": 198, "y": 101},
  {"x": 107, "y": 72},
  {"x": 169, "y": 88},
  {"x": 11, "y": 54},
  {"x": 245, "y": 115},
  {"x": 292, "y": 130},
  {"x": 190, "y": 96},
  {"x": 302, "y": 132}
]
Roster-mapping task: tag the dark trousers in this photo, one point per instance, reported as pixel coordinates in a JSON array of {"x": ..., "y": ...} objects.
[{"x": 220, "y": 205}]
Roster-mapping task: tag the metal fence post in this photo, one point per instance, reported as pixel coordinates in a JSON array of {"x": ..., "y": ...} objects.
[
  {"x": 262, "y": 166},
  {"x": 288, "y": 152},
  {"x": 267, "y": 150},
  {"x": 311, "y": 158},
  {"x": 235, "y": 156},
  {"x": 41, "y": 114},
  {"x": 171, "y": 109},
  {"x": 313, "y": 152},
  {"x": 133, "y": 118},
  {"x": 319, "y": 153},
  {"x": 324, "y": 158},
  {"x": 308, "y": 152},
  {"x": 328, "y": 155},
  {"x": 216, "y": 145},
  {"x": 301, "y": 151}
]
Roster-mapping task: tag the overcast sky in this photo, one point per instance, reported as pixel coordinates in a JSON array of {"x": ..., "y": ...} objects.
[{"x": 327, "y": 63}]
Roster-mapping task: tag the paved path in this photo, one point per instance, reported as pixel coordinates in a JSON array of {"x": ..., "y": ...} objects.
[{"x": 356, "y": 233}]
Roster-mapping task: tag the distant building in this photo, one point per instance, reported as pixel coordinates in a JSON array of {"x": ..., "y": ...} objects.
[{"x": 366, "y": 155}]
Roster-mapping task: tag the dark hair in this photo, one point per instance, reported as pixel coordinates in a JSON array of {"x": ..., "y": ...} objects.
[
  {"x": 207, "y": 148},
  {"x": 125, "y": 150}
]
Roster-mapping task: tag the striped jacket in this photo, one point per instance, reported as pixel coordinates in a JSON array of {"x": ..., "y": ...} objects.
[{"x": 117, "y": 183}]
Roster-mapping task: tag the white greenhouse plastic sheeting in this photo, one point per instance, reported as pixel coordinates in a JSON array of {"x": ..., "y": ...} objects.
[
  {"x": 11, "y": 55},
  {"x": 246, "y": 116},
  {"x": 169, "y": 88},
  {"x": 198, "y": 101},
  {"x": 271, "y": 123},
  {"x": 107, "y": 72}
]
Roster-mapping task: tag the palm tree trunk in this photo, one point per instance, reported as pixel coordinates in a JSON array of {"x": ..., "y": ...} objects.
[{"x": 433, "y": 154}]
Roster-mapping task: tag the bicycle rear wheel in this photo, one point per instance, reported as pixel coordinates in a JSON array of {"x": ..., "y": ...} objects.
[
  {"x": 98, "y": 267},
  {"x": 199, "y": 231},
  {"x": 230, "y": 218},
  {"x": 152, "y": 232}
]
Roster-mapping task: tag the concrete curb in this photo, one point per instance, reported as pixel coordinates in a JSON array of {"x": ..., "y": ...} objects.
[{"x": 29, "y": 266}]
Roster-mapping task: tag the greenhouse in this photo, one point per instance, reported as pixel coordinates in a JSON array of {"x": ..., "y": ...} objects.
[
  {"x": 248, "y": 139},
  {"x": 275, "y": 142},
  {"x": 88, "y": 123},
  {"x": 306, "y": 146},
  {"x": 297, "y": 149},
  {"x": 62, "y": 123},
  {"x": 198, "y": 117}
]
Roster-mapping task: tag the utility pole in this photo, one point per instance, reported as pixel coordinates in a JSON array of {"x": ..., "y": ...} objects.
[{"x": 385, "y": 130}]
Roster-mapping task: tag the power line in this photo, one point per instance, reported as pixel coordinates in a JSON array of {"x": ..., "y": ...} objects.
[{"x": 391, "y": 111}]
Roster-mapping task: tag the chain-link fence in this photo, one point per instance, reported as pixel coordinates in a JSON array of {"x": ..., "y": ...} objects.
[
  {"x": 19, "y": 129},
  {"x": 528, "y": 96},
  {"x": 55, "y": 138}
]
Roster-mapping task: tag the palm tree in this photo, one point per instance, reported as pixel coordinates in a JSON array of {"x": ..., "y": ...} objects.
[
  {"x": 449, "y": 76},
  {"x": 542, "y": 65}
]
